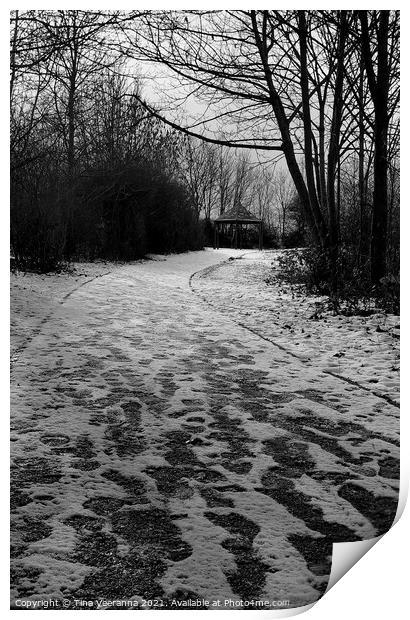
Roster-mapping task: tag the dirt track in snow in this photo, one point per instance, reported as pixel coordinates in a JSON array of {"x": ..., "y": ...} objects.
[{"x": 160, "y": 451}]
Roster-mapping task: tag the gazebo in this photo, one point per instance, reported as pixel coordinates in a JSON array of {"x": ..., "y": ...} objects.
[{"x": 236, "y": 217}]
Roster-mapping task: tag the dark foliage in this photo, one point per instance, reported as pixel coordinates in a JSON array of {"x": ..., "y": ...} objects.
[
  {"x": 112, "y": 211},
  {"x": 309, "y": 269},
  {"x": 38, "y": 222},
  {"x": 123, "y": 214}
]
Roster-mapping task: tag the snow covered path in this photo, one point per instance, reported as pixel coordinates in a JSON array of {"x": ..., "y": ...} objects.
[{"x": 161, "y": 451}]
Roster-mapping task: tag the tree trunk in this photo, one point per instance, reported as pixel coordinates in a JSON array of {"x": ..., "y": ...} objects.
[
  {"x": 362, "y": 191},
  {"x": 307, "y": 121},
  {"x": 379, "y": 222},
  {"x": 311, "y": 210},
  {"x": 13, "y": 54},
  {"x": 69, "y": 247},
  {"x": 379, "y": 89},
  {"x": 333, "y": 157}
]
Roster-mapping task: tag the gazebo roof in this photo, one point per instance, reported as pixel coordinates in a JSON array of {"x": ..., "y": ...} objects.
[{"x": 238, "y": 214}]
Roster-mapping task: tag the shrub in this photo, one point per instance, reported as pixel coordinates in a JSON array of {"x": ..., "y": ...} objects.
[
  {"x": 311, "y": 270},
  {"x": 37, "y": 233},
  {"x": 115, "y": 214}
]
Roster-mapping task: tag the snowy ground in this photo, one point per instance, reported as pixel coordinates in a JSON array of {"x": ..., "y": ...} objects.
[
  {"x": 362, "y": 349},
  {"x": 161, "y": 451},
  {"x": 34, "y": 297}
]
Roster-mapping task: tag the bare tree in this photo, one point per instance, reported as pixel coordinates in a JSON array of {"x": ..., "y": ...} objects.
[
  {"x": 200, "y": 170},
  {"x": 316, "y": 89},
  {"x": 374, "y": 39},
  {"x": 261, "y": 44},
  {"x": 283, "y": 196},
  {"x": 224, "y": 174},
  {"x": 279, "y": 80},
  {"x": 242, "y": 182}
]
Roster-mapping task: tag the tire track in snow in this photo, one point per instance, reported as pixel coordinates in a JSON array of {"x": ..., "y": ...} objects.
[
  {"x": 14, "y": 357},
  {"x": 171, "y": 340},
  {"x": 205, "y": 272}
]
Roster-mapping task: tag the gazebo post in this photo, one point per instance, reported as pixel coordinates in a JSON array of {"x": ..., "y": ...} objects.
[
  {"x": 260, "y": 236},
  {"x": 215, "y": 227}
]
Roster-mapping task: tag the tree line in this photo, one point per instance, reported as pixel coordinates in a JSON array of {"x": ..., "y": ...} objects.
[
  {"x": 92, "y": 174},
  {"x": 316, "y": 92},
  {"x": 319, "y": 87}
]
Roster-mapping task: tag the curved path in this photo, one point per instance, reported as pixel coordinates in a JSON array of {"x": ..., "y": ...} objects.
[{"x": 161, "y": 452}]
